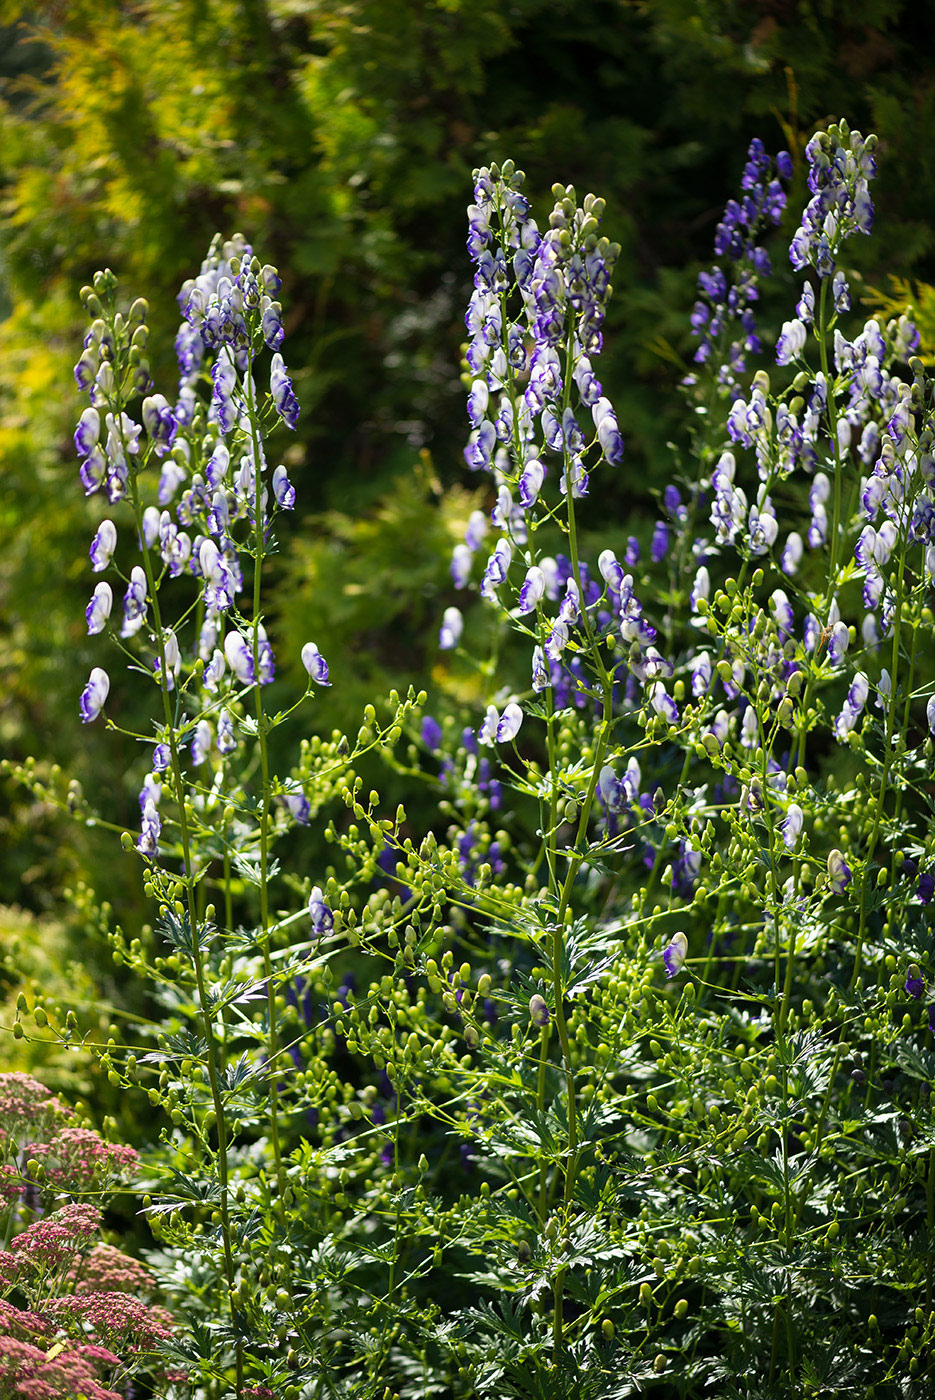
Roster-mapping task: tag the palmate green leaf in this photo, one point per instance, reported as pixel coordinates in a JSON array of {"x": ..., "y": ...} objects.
[
  {"x": 243, "y": 1072},
  {"x": 507, "y": 1320},
  {"x": 252, "y": 870},
  {"x": 176, "y": 929},
  {"x": 235, "y": 993},
  {"x": 183, "y": 1044},
  {"x": 180, "y": 1189}
]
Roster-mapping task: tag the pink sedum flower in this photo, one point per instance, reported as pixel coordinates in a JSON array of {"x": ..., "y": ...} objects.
[{"x": 79, "y": 1158}]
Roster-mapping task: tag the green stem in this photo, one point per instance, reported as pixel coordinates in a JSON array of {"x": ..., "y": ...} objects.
[{"x": 197, "y": 952}]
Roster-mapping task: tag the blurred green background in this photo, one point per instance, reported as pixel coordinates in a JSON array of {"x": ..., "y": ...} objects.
[{"x": 340, "y": 139}]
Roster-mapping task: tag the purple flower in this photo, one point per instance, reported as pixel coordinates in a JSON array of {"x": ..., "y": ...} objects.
[
  {"x": 134, "y": 603},
  {"x": 461, "y": 561},
  {"x": 98, "y": 610},
  {"x": 170, "y": 647},
  {"x": 481, "y": 445},
  {"x": 842, "y": 294},
  {"x": 103, "y": 545},
  {"x": 88, "y": 432},
  {"x": 538, "y": 1010},
  {"x": 226, "y": 739},
  {"x": 201, "y": 742},
  {"x": 915, "y": 982},
  {"x": 431, "y": 733},
  {"x": 321, "y": 916},
  {"x": 608, "y": 433},
  {"x": 500, "y": 729},
  {"x": 497, "y": 569},
  {"x": 160, "y": 422},
  {"x": 451, "y": 629},
  {"x": 532, "y": 590},
  {"x": 217, "y": 465},
  {"x": 540, "y": 675},
  {"x": 298, "y": 807},
  {"x": 839, "y": 872},
  {"x": 674, "y": 954},
  {"x": 792, "y": 553},
  {"x": 224, "y": 378},
  {"x": 94, "y": 695},
  {"x": 283, "y": 489},
  {"x": 240, "y": 657},
  {"x": 612, "y": 791},
  {"x": 509, "y": 724},
  {"x": 791, "y": 342},
  {"x": 477, "y": 402},
  {"x": 266, "y": 664},
  {"x": 837, "y": 643},
  {"x": 280, "y": 386},
  {"x": 792, "y": 826},
  {"x": 315, "y": 664},
  {"x": 214, "y": 671},
  {"x": 925, "y": 889},
  {"x": 271, "y": 326},
  {"x": 148, "y": 843},
  {"x": 663, "y": 703}
]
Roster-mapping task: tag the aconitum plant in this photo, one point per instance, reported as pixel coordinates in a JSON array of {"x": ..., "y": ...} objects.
[{"x": 615, "y": 1078}]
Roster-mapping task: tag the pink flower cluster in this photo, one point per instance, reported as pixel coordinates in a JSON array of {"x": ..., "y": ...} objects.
[
  {"x": 34, "y": 1367},
  {"x": 28, "y": 1373},
  {"x": 121, "y": 1319},
  {"x": 25, "y": 1102},
  {"x": 84, "y": 1295},
  {"x": 50, "y": 1243},
  {"x": 27, "y": 1326},
  {"x": 78, "y": 1158},
  {"x": 12, "y": 1185},
  {"x": 107, "y": 1269}
]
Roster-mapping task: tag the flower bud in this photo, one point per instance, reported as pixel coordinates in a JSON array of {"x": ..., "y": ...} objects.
[{"x": 538, "y": 1010}]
